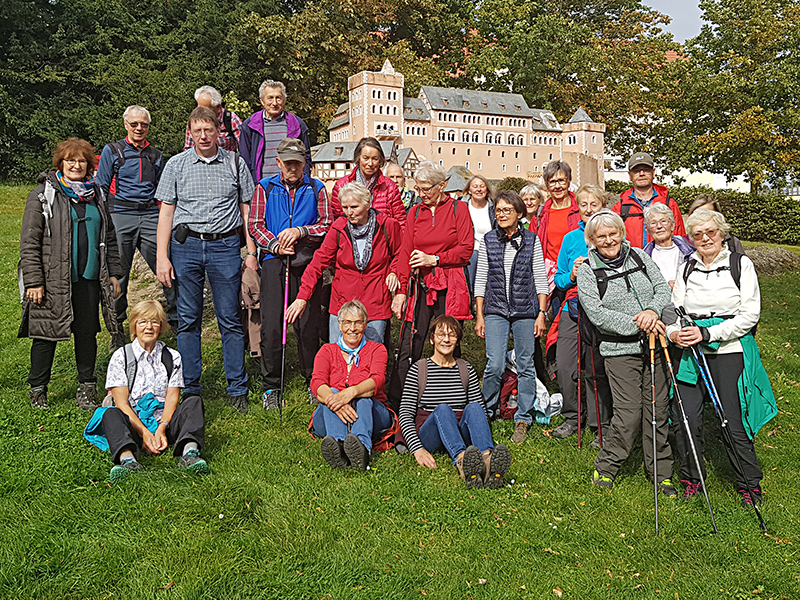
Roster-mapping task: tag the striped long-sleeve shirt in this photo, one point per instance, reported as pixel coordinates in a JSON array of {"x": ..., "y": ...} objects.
[
  {"x": 443, "y": 387},
  {"x": 509, "y": 254}
]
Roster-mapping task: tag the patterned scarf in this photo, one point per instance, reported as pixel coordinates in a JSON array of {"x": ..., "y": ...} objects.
[
  {"x": 616, "y": 263},
  {"x": 80, "y": 191},
  {"x": 352, "y": 353},
  {"x": 367, "y": 233},
  {"x": 514, "y": 238},
  {"x": 371, "y": 183}
]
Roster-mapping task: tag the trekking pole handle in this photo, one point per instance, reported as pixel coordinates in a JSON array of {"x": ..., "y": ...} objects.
[{"x": 653, "y": 341}]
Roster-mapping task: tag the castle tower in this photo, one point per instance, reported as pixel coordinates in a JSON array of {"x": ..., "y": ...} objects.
[
  {"x": 582, "y": 141},
  {"x": 376, "y": 104}
]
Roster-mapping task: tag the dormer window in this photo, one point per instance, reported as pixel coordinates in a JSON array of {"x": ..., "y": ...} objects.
[{"x": 445, "y": 102}]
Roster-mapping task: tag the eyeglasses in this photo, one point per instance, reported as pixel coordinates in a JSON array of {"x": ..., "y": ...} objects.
[
  {"x": 665, "y": 223},
  {"x": 611, "y": 237},
  {"x": 137, "y": 124},
  {"x": 75, "y": 161},
  {"x": 557, "y": 182},
  {"x": 150, "y": 322},
  {"x": 425, "y": 190},
  {"x": 444, "y": 335},
  {"x": 352, "y": 324},
  {"x": 505, "y": 211},
  {"x": 699, "y": 235}
]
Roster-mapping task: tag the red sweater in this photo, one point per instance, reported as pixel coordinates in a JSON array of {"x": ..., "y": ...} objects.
[
  {"x": 631, "y": 212},
  {"x": 573, "y": 219},
  {"x": 330, "y": 369},
  {"x": 368, "y": 286},
  {"x": 447, "y": 233},
  {"x": 385, "y": 198}
]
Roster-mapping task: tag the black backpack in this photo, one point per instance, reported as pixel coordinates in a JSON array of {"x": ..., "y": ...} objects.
[
  {"x": 735, "y": 268},
  {"x": 226, "y": 126},
  {"x": 131, "y": 365},
  {"x": 151, "y": 154}
]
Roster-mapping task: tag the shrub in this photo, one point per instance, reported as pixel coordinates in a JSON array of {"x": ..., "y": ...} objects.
[{"x": 511, "y": 183}]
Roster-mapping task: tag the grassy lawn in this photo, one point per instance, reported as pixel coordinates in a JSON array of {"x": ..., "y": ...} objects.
[{"x": 273, "y": 521}]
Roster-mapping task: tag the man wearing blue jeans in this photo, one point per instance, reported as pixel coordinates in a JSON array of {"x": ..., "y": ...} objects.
[{"x": 205, "y": 193}]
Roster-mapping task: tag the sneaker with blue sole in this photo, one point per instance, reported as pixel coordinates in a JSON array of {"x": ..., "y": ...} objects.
[
  {"x": 193, "y": 463},
  {"x": 124, "y": 470}
]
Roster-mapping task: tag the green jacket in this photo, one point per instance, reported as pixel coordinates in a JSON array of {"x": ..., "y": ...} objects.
[{"x": 755, "y": 391}]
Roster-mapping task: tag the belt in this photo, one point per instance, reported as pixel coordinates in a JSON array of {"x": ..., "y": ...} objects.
[
  {"x": 137, "y": 205},
  {"x": 209, "y": 237}
]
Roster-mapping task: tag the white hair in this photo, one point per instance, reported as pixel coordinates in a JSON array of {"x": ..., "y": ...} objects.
[
  {"x": 353, "y": 307},
  {"x": 269, "y": 84},
  {"x": 702, "y": 216},
  {"x": 135, "y": 108},
  {"x": 659, "y": 209},
  {"x": 357, "y": 191},
  {"x": 216, "y": 97},
  {"x": 429, "y": 172},
  {"x": 602, "y": 218}
]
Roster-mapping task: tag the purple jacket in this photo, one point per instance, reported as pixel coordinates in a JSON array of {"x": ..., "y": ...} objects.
[
  {"x": 683, "y": 245},
  {"x": 251, "y": 141}
]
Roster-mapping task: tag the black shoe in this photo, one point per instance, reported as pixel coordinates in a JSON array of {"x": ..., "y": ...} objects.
[
  {"x": 332, "y": 453},
  {"x": 470, "y": 467},
  {"x": 86, "y": 396},
  {"x": 38, "y": 396},
  {"x": 271, "y": 399},
  {"x": 565, "y": 430},
  {"x": 749, "y": 499},
  {"x": 498, "y": 465},
  {"x": 356, "y": 452},
  {"x": 240, "y": 403},
  {"x": 192, "y": 462}
]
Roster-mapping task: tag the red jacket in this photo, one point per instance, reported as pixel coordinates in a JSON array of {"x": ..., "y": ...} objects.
[
  {"x": 349, "y": 283},
  {"x": 632, "y": 213},
  {"x": 385, "y": 198},
  {"x": 447, "y": 233},
  {"x": 330, "y": 369},
  {"x": 573, "y": 219}
]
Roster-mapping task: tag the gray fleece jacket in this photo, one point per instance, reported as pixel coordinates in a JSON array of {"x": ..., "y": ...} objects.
[{"x": 625, "y": 297}]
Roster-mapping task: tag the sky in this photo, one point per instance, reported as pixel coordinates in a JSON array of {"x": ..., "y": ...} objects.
[{"x": 685, "y": 15}]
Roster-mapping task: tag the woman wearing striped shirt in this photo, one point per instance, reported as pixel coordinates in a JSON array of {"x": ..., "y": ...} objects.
[
  {"x": 510, "y": 296},
  {"x": 442, "y": 411}
]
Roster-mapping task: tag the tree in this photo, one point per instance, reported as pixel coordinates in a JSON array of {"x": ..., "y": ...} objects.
[
  {"x": 607, "y": 56},
  {"x": 739, "y": 112}
]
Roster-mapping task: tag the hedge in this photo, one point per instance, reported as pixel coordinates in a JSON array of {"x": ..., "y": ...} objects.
[{"x": 755, "y": 218}]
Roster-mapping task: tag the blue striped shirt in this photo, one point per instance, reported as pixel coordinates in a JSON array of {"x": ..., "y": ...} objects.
[{"x": 204, "y": 191}]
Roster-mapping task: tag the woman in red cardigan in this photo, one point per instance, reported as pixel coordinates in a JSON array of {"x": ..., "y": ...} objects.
[
  {"x": 559, "y": 215},
  {"x": 437, "y": 245},
  {"x": 370, "y": 160},
  {"x": 362, "y": 245},
  {"x": 349, "y": 381}
]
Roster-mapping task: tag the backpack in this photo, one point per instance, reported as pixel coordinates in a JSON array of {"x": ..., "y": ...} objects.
[
  {"x": 119, "y": 149},
  {"x": 735, "y": 268},
  {"x": 422, "y": 375},
  {"x": 228, "y": 128},
  {"x": 590, "y": 334},
  {"x": 131, "y": 365}
]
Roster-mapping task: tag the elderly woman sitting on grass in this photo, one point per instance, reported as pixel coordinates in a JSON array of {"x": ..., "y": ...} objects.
[
  {"x": 349, "y": 381},
  {"x": 442, "y": 410},
  {"x": 145, "y": 380}
]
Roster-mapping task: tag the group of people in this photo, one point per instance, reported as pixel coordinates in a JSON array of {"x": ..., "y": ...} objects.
[{"x": 604, "y": 281}]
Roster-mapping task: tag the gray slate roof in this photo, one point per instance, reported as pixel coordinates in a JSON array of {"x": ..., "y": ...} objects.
[
  {"x": 403, "y": 154},
  {"x": 458, "y": 177},
  {"x": 471, "y": 101},
  {"x": 414, "y": 109},
  {"x": 342, "y": 116},
  {"x": 544, "y": 120},
  {"x": 580, "y": 116},
  {"x": 327, "y": 152}
]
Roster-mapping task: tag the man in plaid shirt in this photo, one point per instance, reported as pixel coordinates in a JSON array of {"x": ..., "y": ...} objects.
[
  {"x": 289, "y": 216},
  {"x": 230, "y": 124}
]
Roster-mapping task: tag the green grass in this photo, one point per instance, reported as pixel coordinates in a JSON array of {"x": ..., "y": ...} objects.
[{"x": 273, "y": 521}]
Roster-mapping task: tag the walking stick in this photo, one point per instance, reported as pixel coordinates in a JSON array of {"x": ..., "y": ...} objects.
[
  {"x": 414, "y": 316},
  {"x": 653, "y": 406},
  {"x": 687, "y": 429},
  {"x": 580, "y": 415},
  {"x": 708, "y": 381},
  {"x": 285, "y": 328},
  {"x": 596, "y": 399}
]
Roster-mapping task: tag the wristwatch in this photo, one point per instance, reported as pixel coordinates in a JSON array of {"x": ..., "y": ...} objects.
[{"x": 436, "y": 256}]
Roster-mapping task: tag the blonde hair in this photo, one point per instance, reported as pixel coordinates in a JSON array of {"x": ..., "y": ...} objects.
[
  {"x": 703, "y": 215},
  {"x": 147, "y": 310},
  {"x": 357, "y": 191}
]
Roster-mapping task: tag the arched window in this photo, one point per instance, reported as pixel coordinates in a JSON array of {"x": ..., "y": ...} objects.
[
  {"x": 475, "y": 137},
  {"x": 521, "y": 141},
  {"x": 451, "y": 136},
  {"x": 373, "y": 109},
  {"x": 511, "y": 140},
  {"x": 442, "y": 135},
  {"x": 465, "y": 136},
  {"x": 380, "y": 109},
  {"x": 489, "y": 138}
]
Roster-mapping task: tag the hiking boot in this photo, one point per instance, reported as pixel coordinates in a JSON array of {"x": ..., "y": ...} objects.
[
  {"x": 38, "y": 397},
  {"x": 749, "y": 499},
  {"x": 520, "y": 431},
  {"x": 496, "y": 464},
  {"x": 192, "y": 462},
  {"x": 668, "y": 489},
  {"x": 117, "y": 341},
  {"x": 596, "y": 443},
  {"x": 601, "y": 480},
  {"x": 312, "y": 399},
  {"x": 690, "y": 489},
  {"x": 564, "y": 430},
  {"x": 124, "y": 470},
  {"x": 333, "y": 453},
  {"x": 240, "y": 403},
  {"x": 356, "y": 452},
  {"x": 470, "y": 466},
  {"x": 86, "y": 396},
  {"x": 271, "y": 399}
]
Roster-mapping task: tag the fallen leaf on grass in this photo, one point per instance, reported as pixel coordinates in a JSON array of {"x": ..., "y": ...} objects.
[
  {"x": 550, "y": 551},
  {"x": 166, "y": 587},
  {"x": 298, "y": 572},
  {"x": 558, "y": 592},
  {"x": 424, "y": 593},
  {"x": 482, "y": 581}
]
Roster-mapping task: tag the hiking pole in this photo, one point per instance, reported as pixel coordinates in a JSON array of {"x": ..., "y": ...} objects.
[
  {"x": 596, "y": 398},
  {"x": 708, "y": 381},
  {"x": 580, "y": 351},
  {"x": 653, "y": 406},
  {"x": 414, "y": 316},
  {"x": 686, "y": 427},
  {"x": 283, "y": 339}
]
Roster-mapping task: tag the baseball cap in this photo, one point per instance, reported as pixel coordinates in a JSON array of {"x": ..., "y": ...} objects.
[
  {"x": 291, "y": 149},
  {"x": 640, "y": 158}
]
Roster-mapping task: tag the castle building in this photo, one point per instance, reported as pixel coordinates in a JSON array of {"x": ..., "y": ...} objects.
[{"x": 493, "y": 134}]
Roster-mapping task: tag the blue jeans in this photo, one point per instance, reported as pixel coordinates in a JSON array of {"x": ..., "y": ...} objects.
[
  {"x": 472, "y": 267},
  {"x": 373, "y": 416},
  {"x": 374, "y": 332},
  {"x": 497, "y": 330},
  {"x": 442, "y": 432},
  {"x": 222, "y": 262}
]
